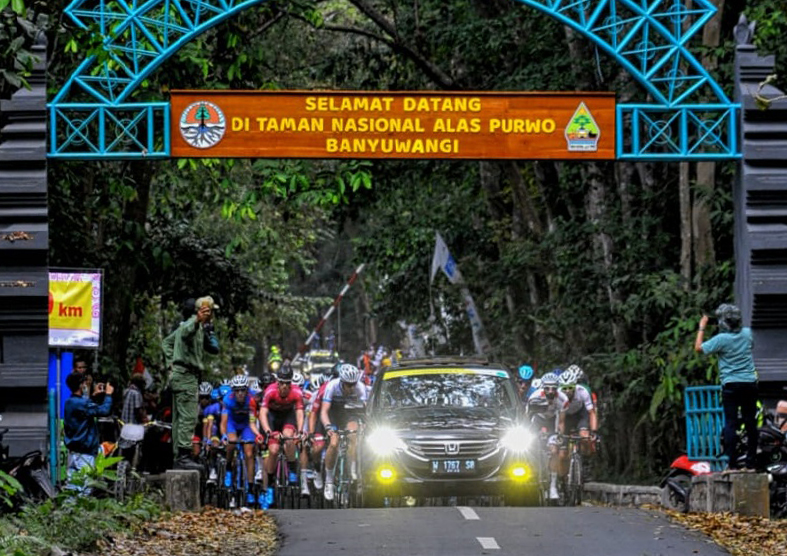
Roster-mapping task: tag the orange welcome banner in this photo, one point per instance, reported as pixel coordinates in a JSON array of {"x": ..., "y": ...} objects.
[{"x": 354, "y": 124}]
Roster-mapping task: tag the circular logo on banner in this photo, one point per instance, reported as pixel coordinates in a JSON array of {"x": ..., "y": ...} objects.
[{"x": 202, "y": 124}]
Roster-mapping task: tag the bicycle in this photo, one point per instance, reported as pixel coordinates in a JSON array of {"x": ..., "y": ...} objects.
[
  {"x": 240, "y": 485},
  {"x": 574, "y": 478},
  {"x": 343, "y": 480},
  {"x": 213, "y": 493},
  {"x": 286, "y": 495},
  {"x": 128, "y": 480}
]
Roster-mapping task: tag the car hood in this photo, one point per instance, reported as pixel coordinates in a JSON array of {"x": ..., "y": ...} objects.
[{"x": 413, "y": 423}]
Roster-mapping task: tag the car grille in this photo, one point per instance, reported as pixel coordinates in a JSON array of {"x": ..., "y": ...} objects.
[{"x": 443, "y": 448}]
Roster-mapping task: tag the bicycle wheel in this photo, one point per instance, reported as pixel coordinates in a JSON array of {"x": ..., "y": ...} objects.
[
  {"x": 280, "y": 487},
  {"x": 222, "y": 493},
  {"x": 574, "y": 480}
]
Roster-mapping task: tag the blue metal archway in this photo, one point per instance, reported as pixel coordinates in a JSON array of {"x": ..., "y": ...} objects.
[{"x": 689, "y": 117}]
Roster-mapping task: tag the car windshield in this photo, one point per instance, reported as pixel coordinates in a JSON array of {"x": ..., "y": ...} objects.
[{"x": 464, "y": 389}]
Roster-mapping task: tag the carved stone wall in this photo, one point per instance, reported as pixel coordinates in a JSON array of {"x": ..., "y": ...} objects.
[
  {"x": 24, "y": 246},
  {"x": 761, "y": 210}
]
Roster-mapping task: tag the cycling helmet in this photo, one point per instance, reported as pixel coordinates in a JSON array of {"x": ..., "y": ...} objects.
[
  {"x": 215, "y": 394},
  {"x": 568, "y": 378},
  {"x": 298, "y": 378},
  {"x": 266, "y": 379},
  {"x": 729, "y": 317},
  {"x": 318, "y": 379},
  {"x": 525, "y": 372},
  {"x": 239, "y": 382},
  {"x": 536, "y": 383},
  {"x": 225, "y": 382},
  {"x": 254, "y": 385},
  {"x": 335, "y": 369},
  {"x": 205, "y": 388},
  {"x": 549, "y": 379},
  {"x": 579, "y": 374},
  {"x": 284, "y": 374},
  {"x": 349, "y": 373}
]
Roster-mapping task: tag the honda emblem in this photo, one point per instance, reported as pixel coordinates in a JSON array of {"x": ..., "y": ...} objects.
[{"x": 451, "y": 448}]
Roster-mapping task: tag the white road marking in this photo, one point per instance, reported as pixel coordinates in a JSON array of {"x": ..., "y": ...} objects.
[
  {"x": 467, "y": 513},
  {"x": 488, "y": 543}
]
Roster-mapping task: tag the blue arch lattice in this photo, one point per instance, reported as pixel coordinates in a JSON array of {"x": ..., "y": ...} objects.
[{"x": 689, "y": 116}]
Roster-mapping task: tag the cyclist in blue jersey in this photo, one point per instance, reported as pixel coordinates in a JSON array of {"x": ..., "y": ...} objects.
[
  {"x": 239, "y": 423},
  {"x": 210, "y": 431}
]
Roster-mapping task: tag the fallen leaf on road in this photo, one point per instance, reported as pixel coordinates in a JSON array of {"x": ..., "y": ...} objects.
[
  {"x": 740, "y": 535},
  {"x": 211, "y": 532}
]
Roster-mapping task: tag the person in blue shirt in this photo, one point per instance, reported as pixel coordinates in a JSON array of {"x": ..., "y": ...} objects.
[
  {"x": 733, "y": 345},
  {"x": 79, "y": 421}
]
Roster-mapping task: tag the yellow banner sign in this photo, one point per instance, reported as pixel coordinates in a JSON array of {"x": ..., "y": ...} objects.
[
  {"x": 352, "y": 124},
  {"x": 74, "y": 309}
]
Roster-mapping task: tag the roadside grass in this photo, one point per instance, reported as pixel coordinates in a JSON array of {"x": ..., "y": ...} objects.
[{"x": 72, "y": 523}]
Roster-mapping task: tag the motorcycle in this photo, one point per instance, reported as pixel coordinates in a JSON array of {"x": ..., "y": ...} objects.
[
  {"x": 678, "y": 480},
  {"x": 30, "y": 471}
]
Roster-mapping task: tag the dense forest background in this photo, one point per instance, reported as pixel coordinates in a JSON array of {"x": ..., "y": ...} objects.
[{"x": 608, "y": 265}]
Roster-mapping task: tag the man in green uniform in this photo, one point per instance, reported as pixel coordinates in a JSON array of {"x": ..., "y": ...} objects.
[{"x": 186, "y": 352}]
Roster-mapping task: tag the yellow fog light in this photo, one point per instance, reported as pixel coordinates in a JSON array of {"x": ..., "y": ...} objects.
[
  {"x": 386, "y": 474},
  {"x": 519, "y": 471}
]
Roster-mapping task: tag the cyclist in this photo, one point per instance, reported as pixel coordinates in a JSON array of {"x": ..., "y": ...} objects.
[
  {"x": 281, "y": 412},
  {"x": 339, "y": 392},
  {"x": 547, "y": 406},
  {"x": 203, "y": 400},
  {"x": 317, "y": 437},
  {"x": 238, "y": 422},
  {"x": 210, "y": 423},
  {"x": 580, "y": 410},
  {"x": 525, "y": 383}
]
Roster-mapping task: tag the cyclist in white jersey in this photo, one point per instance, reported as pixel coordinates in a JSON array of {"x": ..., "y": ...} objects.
[
  {"x": 547, "y": 406},
  {"x": 338, "y": 394}
]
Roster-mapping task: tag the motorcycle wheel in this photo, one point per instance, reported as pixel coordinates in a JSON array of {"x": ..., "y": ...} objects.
[{"x": 676, "y": 498}]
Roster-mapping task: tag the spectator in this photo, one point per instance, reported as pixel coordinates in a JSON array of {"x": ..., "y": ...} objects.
[
  {"x": 133, "y": 401},
  {"x": 185, "y": 351},
  {"x": 80, "y": 427},
  {"x": 733, "y": 345},
  {"x": 80, "y": 366}
]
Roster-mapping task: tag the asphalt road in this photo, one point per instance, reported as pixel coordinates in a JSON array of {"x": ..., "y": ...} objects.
[{"x": 464, "y": 531}]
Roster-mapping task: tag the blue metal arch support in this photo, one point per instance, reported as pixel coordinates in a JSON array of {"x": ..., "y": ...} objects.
[{"x": 91, "y": 118}]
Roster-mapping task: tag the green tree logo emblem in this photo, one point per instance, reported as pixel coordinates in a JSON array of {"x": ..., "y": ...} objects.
[
  {"x": 582, "y": 132},
  {"x": 202, "y": 124}
]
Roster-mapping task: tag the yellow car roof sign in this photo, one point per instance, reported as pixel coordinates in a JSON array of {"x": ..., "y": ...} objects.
[{"x": 447, "y": 371}]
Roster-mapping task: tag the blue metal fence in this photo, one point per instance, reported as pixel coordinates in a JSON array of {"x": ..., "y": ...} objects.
[
  {"x": 689, "y": 116},
  {"x": 704, "y": 425}
]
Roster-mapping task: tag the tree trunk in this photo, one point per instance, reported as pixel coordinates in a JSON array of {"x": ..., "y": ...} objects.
[
  {"x": 122, "y": 277},
  {"x": 684, "y": 193},
  {"x": 704, "y": 248}
]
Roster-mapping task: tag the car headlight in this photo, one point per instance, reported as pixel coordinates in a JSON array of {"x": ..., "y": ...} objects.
[
  {"x": 517, "y": 439},
  {"x": 384, "y": 441}
]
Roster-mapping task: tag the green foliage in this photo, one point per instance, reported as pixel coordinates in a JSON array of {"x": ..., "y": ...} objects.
[
  {"x": 94, "y": 478},
  {"x": 18, "y": 28},
  {"x": 9, "y": 486},
  {"x": 72, "y": 523}
]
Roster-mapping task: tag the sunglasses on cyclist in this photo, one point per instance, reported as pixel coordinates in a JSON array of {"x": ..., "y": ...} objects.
[
  {"x": 569, "y": 388},
  {"x": 550, "y": 389}
]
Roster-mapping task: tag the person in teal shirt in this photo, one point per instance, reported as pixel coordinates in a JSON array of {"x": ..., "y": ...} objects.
[{"x": 733, "y": 345}]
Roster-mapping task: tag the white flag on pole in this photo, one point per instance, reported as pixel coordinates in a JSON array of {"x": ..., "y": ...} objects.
[{"x": 442, "y": 260}]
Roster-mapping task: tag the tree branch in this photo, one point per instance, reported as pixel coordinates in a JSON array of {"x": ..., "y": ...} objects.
[{"x": 436, "y": 74}]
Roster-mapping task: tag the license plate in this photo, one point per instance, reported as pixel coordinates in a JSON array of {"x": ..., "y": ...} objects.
[{"x": 453, "y": 466}]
